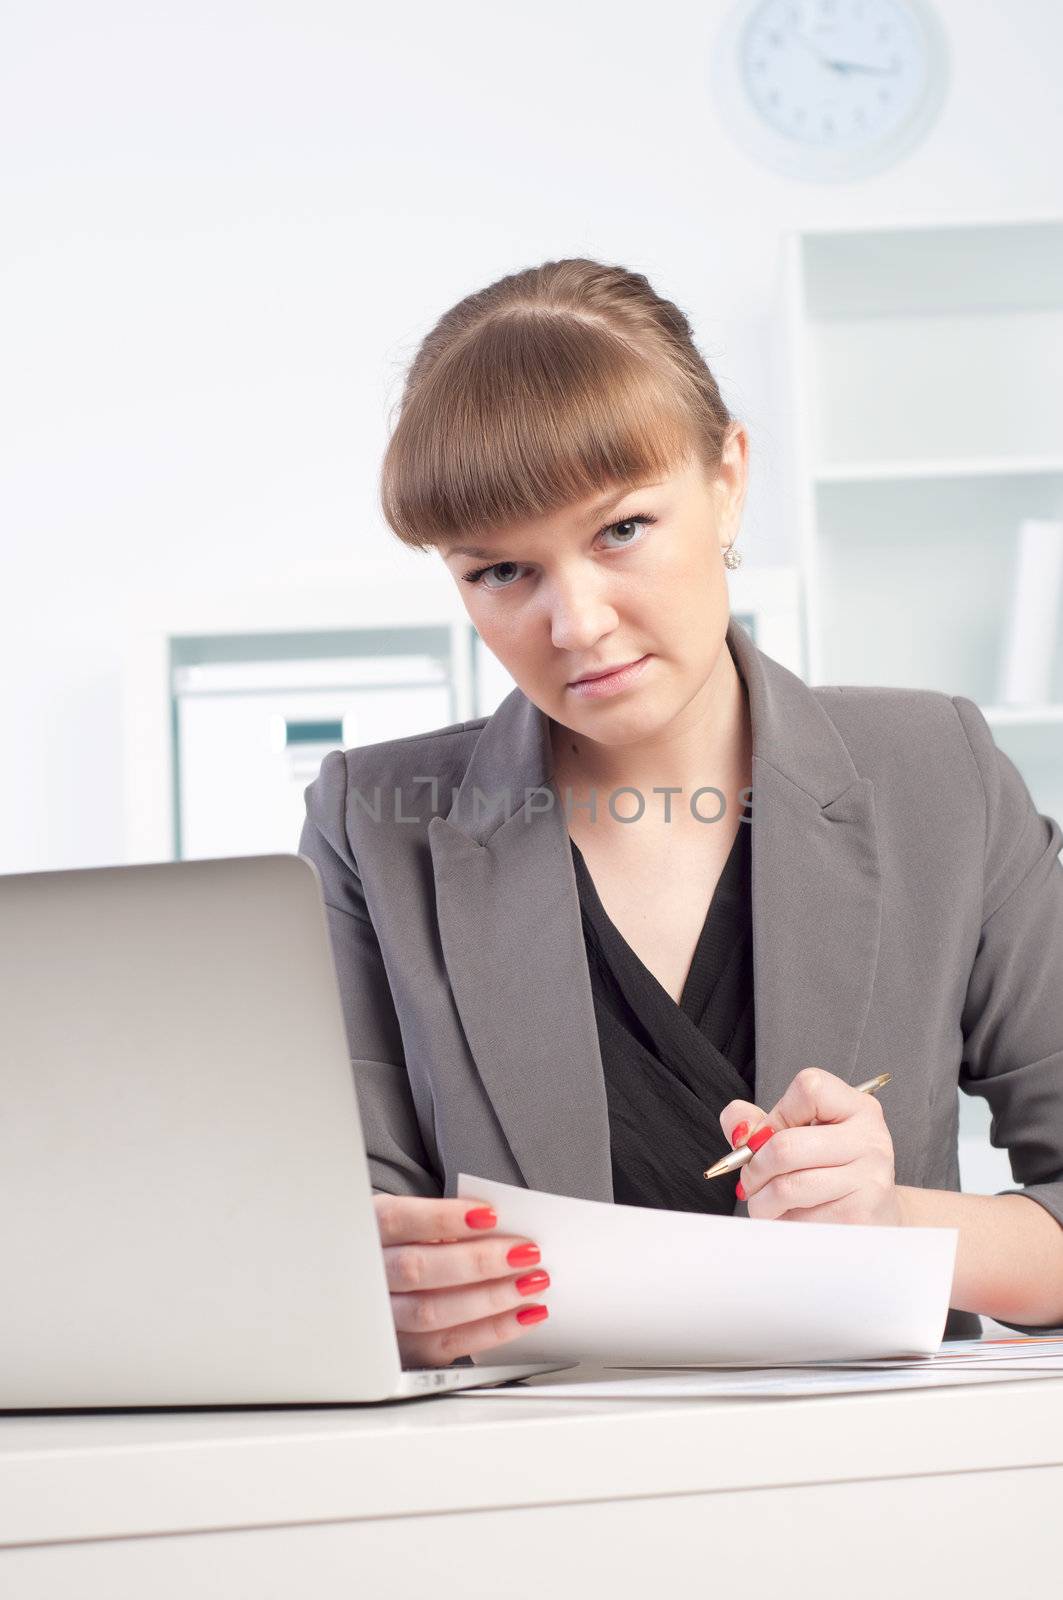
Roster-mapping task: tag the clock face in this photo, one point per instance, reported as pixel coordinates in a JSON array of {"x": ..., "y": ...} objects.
[
  {"x": 834, "y": 73},
  {"x": 829, "y": 89}
]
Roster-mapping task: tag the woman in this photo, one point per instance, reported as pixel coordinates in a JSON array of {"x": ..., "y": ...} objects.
[{"x": 584, "y": 942}]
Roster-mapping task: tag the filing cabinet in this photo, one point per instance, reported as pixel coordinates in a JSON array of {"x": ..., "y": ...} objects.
[{"x": 253, "y": 719}]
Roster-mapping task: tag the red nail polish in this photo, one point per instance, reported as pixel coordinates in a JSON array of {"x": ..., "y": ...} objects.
[
  {"x": 532, "y": 1313},
  {"x": 482, "y": 1217},
  {"x": 532, "y": 1282},
  {"x": 524, "y": 1255},
  {"x": 740, "y": 1192},
  {"x": 739, "y": 1134},
  {"x": 761, "y": 1136}
]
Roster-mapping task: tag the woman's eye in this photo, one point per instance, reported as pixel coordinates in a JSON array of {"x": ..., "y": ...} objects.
[
  {"x": 504, "y": 567},
  {"x": 483, "y": 572},
  {"x": 630, "y": 522}
]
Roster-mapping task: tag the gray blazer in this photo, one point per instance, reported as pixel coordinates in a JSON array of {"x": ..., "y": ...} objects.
[{"x": 907, "y": 902}]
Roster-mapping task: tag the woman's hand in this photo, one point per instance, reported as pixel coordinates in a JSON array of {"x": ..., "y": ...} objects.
[
  {"x": 829, "y": 1159},
  {"x": 453, "y": 1286}
]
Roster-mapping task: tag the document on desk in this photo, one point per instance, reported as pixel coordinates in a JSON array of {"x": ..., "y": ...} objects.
[
  {"x": 983, "y": 1362},
  {"x": 636, "y": 1286}
]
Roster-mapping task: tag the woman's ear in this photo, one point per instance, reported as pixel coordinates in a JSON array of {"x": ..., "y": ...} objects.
[{"x": 731, "y": 482}]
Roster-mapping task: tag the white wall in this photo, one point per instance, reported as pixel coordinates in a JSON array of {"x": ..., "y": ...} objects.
[{"x": 226, "y": 226}]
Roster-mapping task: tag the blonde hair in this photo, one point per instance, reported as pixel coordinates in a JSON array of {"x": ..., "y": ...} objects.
[{"x": 550, "y": 385}]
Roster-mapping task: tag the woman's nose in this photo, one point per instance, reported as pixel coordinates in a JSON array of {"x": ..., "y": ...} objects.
[{"x": 579, "y": 616}]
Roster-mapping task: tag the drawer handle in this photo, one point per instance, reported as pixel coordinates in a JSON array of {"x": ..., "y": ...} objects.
[{"x": 302, "y": 733}]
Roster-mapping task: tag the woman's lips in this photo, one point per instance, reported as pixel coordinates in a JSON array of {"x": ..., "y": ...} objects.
[{"x": 612, "y": 683}]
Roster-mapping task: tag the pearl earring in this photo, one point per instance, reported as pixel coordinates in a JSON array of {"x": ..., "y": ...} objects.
[{"x": 732, "y": 557}]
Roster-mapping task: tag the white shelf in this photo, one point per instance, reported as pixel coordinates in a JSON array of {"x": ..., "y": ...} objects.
[
  {"x": 1023, "y": 716},
  {"x": 953, "y": 467},
  {"x": 922, "y": 269}
]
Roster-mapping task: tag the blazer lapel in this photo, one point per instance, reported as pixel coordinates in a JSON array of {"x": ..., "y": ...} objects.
[
  {"x": 816, "y": 913},
  {"x": 509, "y": 922},
  {"x": 512, "y": 938}
]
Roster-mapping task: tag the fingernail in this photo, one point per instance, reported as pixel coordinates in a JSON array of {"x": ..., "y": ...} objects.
[
  {"x": 482, "y": 1217},
  {"x": 740, "y": 1192},
  {"x": 739, "y": 1134},
  {"x": 761, "y": 1136},
  {"x": 532, "y": 1282},
  {"x": 524, "y": 1255},
  {"x": 532, "y": 1313}
]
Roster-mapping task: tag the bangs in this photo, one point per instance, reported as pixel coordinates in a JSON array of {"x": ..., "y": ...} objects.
[{"x": 531, "y": 411}]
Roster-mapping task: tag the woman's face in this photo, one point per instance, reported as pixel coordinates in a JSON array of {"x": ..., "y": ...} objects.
[{"x": 635, "y": 573}]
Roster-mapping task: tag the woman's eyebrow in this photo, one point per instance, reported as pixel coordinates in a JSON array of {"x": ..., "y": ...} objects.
[
  {"x": 470, "y": 550},
  {"x": 593, "y": 511}
]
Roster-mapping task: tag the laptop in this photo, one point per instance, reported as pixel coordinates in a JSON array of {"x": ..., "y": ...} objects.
[{"x": 186, "y": 1214}]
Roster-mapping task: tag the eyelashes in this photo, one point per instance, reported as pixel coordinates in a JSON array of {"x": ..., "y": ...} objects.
[{"x": 476, "y": 576}]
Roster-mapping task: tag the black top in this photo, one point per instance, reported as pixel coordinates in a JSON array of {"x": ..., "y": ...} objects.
[{"x": 670, "y": 1069}]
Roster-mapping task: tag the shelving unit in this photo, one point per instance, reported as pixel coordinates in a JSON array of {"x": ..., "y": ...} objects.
[
  {"x": 927, "y": 371},
  {"x": 927, "y": 396}
]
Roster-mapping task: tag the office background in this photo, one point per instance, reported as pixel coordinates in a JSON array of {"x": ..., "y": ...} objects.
[{"x": 228, "y": 226}]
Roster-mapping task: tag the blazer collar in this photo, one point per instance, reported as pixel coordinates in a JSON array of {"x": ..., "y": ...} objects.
[{"x": 512, "y": 937}]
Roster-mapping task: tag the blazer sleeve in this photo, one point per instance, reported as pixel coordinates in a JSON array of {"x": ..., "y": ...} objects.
[
  {"x": 1013, "y": 1011},
  {"x": 398, "y": 1162}
]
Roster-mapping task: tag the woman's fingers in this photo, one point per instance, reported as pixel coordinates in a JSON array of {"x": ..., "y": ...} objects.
[
  {"x": 738, "y": 1118},
  {"x": 406, "y": 1218},
  {"x": 816, "y": 1095},
  {"x": 792, "y": 1149},
  {"x": 795, "y": 1193},
  {"x": 457, "y": 1286},
  {"x": 830, "y": 1158},
  {"x": 432, "y": 1244},
  {"x": 411, "y": 1267},
  {"x": 439, "y": 1349},
  {"x": 437, "y": 1309}
]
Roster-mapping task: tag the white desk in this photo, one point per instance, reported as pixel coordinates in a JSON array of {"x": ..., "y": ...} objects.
[{"x": 934, "y": 1493}]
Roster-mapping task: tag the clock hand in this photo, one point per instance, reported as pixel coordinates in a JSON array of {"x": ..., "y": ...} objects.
[
  {"x": 803, "y": 38},
  {"x": 842, "y": 66},
  {"x": 858, "y": 66}
]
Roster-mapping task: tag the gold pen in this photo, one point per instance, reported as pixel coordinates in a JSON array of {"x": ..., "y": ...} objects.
[{"x": 738, "y": 1158}]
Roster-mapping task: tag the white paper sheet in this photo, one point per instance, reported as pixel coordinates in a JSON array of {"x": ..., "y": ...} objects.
[
  {"x": 586, "y": 1382},
  {"x": 649, "y": 1287}
]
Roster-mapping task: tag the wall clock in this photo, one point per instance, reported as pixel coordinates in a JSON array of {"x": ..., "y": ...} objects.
[{"x": 826, "y": 90}]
